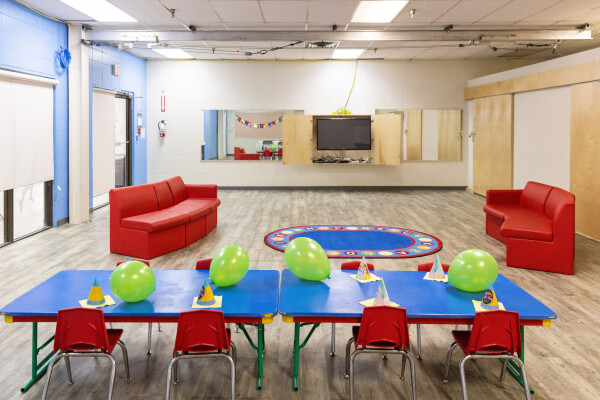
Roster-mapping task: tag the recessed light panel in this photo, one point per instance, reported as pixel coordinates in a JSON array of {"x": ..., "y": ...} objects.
[
  {"x": 100, "y": 10},
  {"x": 173, "y": 53},
  {"x": 347, "y": 54},
  {"x": 378, "y": 11}
]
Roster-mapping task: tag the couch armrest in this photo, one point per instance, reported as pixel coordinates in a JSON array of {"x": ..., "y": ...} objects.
[
  {"x": 503, "y": 196},
  {"x": 202, "y": 191}
]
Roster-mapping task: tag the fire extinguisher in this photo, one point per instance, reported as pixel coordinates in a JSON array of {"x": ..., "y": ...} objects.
[{"x": 162, "y": 128}]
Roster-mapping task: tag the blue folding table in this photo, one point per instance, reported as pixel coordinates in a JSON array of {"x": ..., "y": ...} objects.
[
  {"x": 336, "y": 300},
  {"x": 252, "y": 301}
]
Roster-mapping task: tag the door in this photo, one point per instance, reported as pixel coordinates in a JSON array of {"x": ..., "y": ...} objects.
[
  {"x": 449, "y": 137},
  {"x": 298, "y": 139},
  {"x": 414, "y": 121},
  {"x": 492, "y": 143},
  {"x": 122, "y": 141},
  {"x": 211, "y": 135}
]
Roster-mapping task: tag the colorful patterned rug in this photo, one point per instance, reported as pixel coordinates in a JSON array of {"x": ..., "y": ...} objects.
[{"x": 357, "y": 241}]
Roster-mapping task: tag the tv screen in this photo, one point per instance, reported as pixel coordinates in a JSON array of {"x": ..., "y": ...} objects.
[{"x": 344, "y": 133}]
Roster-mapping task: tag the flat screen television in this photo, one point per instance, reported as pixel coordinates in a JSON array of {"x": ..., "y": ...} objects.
[{"x": 351, "y": 133}]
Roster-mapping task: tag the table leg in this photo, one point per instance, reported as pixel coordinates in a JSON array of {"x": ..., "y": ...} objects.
[
  {"x": 37, "y": 369},
  {"x": 514, "y": 369},
  {"x": 259, "y": 347},
  {"x": 298, "y": 346}
]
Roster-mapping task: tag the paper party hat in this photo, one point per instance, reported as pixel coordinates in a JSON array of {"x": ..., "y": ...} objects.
[
  {"x": 96, "y": 297},
  {"x": 490, "y": 301},
  {"x": 363, "y": 271},
  {"x": 382, "y": 298},
  {"x": 436, "y": 272},
  {"x": 206, "y": 297}
]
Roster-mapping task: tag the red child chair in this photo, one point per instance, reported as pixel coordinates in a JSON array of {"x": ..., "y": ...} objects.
[
  {"x": 267, "y": 153},
  {"x": 383, "y": 329},
  {"x": 495, "y": 334},
  {"x": 346, "y": 266},
  {"x": 203, "y": 265},
  {"x": 426, "y": 267},
  {"x": 202, "y": 333},
  {"x": 81, "y": 332},
  {"x": 149, "y": 351}
]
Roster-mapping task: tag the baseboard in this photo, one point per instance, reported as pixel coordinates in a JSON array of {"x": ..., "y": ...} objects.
[
  {"x": 469, "y": 190},
  {"x": 62, "y": 221},
  {"x": 350, "y": 188}
]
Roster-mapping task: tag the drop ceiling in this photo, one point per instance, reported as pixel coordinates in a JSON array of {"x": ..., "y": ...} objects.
[{"x": 266, "y": 29}]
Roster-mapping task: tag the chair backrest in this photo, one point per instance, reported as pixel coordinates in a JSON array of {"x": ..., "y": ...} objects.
[
  {"x": 280, "y": 152},
  {"x": 203, "y": 265},
  {"x": 201, "y": 331},
  {"x": 134, "y": 259},
  {"x": 80, "y": 329},
  {"x": 353, "y": 266},
  {"x": 383, "y": 326},
  {"x": 495, "y": 332},
  {"x": 267, "y": 153},
  {"x": 427, "y": 266}
]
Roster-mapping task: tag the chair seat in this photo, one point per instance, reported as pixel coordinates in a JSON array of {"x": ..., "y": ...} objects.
[
  {"x": 381, "y": 345},
  {"x": 210, "y": 349},
  {"x": 462, "y": 339}
]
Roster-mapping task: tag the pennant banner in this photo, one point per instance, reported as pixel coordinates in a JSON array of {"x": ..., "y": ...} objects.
[{"x": 258, "y": 125}]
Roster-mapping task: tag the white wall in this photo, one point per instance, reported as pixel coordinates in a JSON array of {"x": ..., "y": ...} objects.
[
  {"x": 317, "y": 88},
  {"x": 541, "y": 125},
  {"x": 429, "y": 135}
]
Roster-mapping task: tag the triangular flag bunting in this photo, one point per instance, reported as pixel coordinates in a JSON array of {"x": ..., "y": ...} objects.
[
  {"x": 490, "y": 301},
  {"x": 206, "y": 296},
  {"x": 382, "y": 298},
  {"x": 96, "y": 297}
]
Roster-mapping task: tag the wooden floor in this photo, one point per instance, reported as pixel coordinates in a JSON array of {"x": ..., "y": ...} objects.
[{"x": 562, "y": 360}]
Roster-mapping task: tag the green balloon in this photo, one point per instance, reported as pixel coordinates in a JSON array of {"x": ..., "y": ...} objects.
[
  {"x": 273, "y": 147},
  {"x": 307, "y": 259},
  {"x": 473, "y": 270},
  {"x": 132, "y": 281},
  {"x": 229, "y": 266}
]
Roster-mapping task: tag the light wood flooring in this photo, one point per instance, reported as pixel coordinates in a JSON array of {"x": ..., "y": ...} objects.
[{"x": 562, "y": 360}]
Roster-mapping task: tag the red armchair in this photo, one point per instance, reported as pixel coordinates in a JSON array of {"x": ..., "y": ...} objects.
[
  {"x": 239, "y": 153},
  {"x": 537, "y": 224}
]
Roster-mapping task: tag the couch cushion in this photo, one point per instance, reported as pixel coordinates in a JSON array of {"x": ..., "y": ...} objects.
[
  {"x": 178, "y": 189},
  {"x": 134, "y": 200},
  {"x": 197, "y": 208},
  {"x": 528, "y": 225},
  {"x": 534, "y": 196},
  {"x": 155, "y": 221},
  {"x": 502, "y": 210},
  {"x": 196, "y": 202},
  {"x": 557, "y": 198},
  {"x": 163, "y": 194}
]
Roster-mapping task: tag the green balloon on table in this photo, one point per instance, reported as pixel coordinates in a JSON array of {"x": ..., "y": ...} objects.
[
  {"x": 307, "y": 259},
  {"x": 473, "y": 270},
  {"x": 132, "y": 281},
  {"x": 273, "y": 147},
  {"x": 229, "y": 266}
]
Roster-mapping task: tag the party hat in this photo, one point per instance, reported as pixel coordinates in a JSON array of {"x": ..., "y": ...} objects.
[
  {"x": 436, "y": 272},
  {"x": 382, "y": 298},
  {"x": 363, "y": 271},
  {"x": 206, "y": 297},
  {"x": 490, "y": 301},
  {"x": 96, "y": 297}
]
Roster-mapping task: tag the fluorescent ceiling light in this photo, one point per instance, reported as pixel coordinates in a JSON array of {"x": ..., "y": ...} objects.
[
  {"x": 173, "y": 53},
  {"x": 378, "y": 11},
  {"x": 347, "y": 53},
  {"x": 100, "y": 10}
]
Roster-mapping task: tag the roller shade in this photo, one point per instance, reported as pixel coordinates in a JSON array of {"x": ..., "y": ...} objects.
[{"x": 103, "y": 141}]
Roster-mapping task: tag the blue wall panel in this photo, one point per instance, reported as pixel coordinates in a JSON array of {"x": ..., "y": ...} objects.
[
  {"x": 28, "y": 43},
  {"x": 132, "y": 80}
]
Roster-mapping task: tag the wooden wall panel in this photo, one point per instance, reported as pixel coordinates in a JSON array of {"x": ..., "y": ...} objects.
[
  {"x": 493, "y": 143},
  {"x": 414, "y": 121},
  {"x": 449, "y": 139},
  {"x": 298, "y": 142},
  {"x": 585, "y": 157},
  {"x": 386, "y": 132}
]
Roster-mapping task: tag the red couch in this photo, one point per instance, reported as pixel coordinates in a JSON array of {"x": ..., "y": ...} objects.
[
  {"x": 537, "y": 224},
  {"x": 239, "y": 153},
  {"x": 149, "y": 220}
]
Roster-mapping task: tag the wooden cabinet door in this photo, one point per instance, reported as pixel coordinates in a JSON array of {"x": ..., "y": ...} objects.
[
  {"x": 386, "y": 132},
  {"x": 449, "y": 137},
  {"x": 493, "y": 143},
  {"x": 298, "y": 142},
  {"x": 414, "y": 121},
  {"x": 585, "y": 157}
]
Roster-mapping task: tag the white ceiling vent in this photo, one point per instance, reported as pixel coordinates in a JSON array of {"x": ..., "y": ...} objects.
[{"x": 321, "y": 45}]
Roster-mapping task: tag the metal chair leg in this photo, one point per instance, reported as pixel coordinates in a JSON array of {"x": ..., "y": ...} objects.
[
  {"x": 149, "y": 339},
  {"x": 413, "y": 373},
  {"x": 158, "y": 323},
  {"x": 346, "y": 372},
  {"x": 403, "y": 365},
  {"x": 354, "y": 354},
  {"x": 503, "y": 370},
  {"x": 113, "y": 373},
  {"x": 69, "y": 375},
  {"x": 125, "y": 360},
  {"x": 332, "y": 340},
  {"x": 175, "y": 377},
  {"x": 419, "y": 342},
  {"x": 169, "y": 372},
  {"x": 524, "y": 376},
  {"x": 232, "y": 377},
  {"x": 463, "y": 379},
  {"x": 49, "y": 375},
  {"x": 448, "y": 358}
]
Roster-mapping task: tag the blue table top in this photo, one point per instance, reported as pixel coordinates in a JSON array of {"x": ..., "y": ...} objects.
[
  {"x": 254, "y": 296},
  {"x": 339, "y": 296}
]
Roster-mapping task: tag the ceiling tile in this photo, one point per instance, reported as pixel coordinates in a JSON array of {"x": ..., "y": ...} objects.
[
  {"x": 435, "y": 53},
  {"x": 290, "y": 26},
  {"x": 563, "y": 10},
  {"x": 59, "y": 10},
  {"x": 317, "y": 54},
  {"x": 246, "y": 26},
  {"x": 289, "y": 54},
  {"x": 331, "y": 12},
  {"x": 146, "y": 11},
  {"x": 238, "y": 11},
  {"x": 284, "y": 11},
  {"x": 425, "y": 11},
  {"x": 518, "y": 10},
  {"x": 377, "y": 53},
  {"x": 469, "y": 11},
  {"x": 406, "y": 53}
]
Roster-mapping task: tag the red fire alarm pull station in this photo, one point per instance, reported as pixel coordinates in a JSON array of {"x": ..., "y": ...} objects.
[{"x": 116, "y": 70}]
